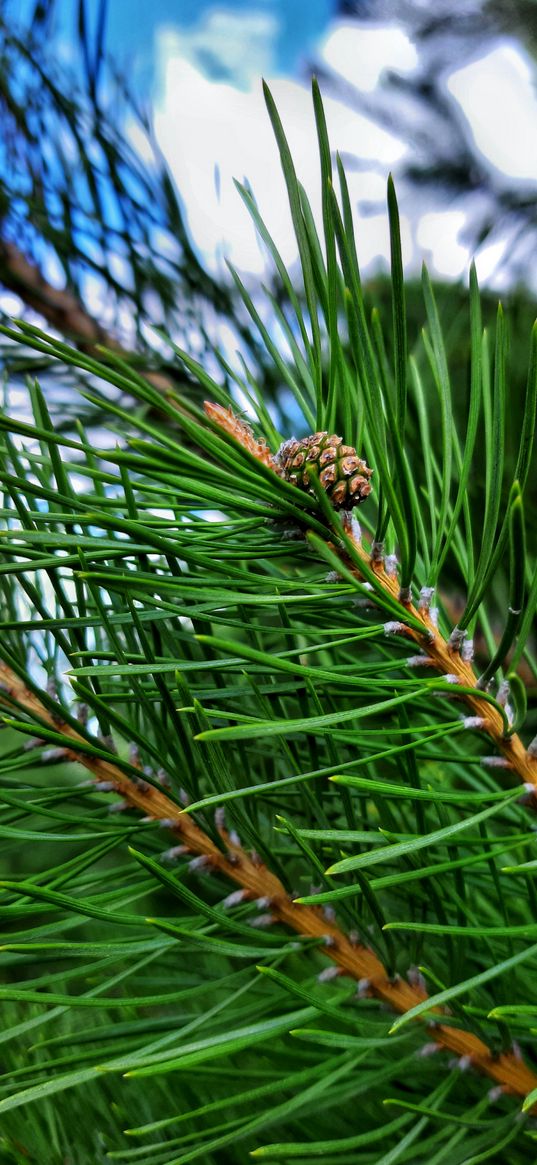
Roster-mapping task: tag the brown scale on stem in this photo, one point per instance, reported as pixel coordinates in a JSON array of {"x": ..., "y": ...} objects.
[{"x": 449, "y": 661}]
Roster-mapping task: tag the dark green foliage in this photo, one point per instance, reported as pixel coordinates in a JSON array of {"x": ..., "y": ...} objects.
[{"x": 175, "y": 590}]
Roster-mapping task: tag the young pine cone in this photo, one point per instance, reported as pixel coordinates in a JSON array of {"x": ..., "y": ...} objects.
[{"x": 342, "y": 473}]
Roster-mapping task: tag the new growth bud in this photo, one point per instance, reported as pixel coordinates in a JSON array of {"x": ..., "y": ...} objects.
[
  {"x": 175, "y": 852},
  {"x": 428, "y": 1050},
  {"x": 456, "y": 639},
  {"x": 328, "y": 974},
  {"x": 356, "y": 529},
  {"x": 220, "y": 818},
  {"x": 416, "y": 979},
  {"x": 234, "y": 899},
  {"x": 420, "y": 661},
  {"x": 262, "y": 921},
  {"x": 391, "y": 564},
  {"x": 202, "y": 862},
  {"x": 426, "y": 595},
  {"x": 393, "y": 627},
  {"x": 473, "y": 721},
  {"x": 495, "y": 1094}
]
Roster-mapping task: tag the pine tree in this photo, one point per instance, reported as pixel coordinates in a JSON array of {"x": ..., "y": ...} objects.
[{"x": 267, "y": 792}]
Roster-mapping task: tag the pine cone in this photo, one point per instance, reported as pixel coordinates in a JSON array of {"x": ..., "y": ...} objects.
[{"x": 342, "y": 473}]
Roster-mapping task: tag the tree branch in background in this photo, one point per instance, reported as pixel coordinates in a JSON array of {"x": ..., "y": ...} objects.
[{"x": 61, "y": 309}]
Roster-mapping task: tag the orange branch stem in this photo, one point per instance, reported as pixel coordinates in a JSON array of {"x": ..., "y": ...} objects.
[
  {"x": 247, "y": 870},
  {"x": 449, "y": 661}
]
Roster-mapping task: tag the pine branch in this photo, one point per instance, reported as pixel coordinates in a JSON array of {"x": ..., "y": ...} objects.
[
  {"x": 448, "y": 656},
  {"x": 62, "y": 310},
  {"x": 148, "y": 560},
  {"x": 258, "y": 882}
]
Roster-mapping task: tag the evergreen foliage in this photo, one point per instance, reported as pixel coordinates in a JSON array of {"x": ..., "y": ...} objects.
[{"x": 187, "y": 630}]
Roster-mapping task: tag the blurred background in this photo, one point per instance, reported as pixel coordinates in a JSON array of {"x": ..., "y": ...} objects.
[{"x": 123, "y": 126}]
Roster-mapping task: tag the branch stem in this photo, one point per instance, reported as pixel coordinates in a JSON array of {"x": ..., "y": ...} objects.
[
  {"x": 449, "y": 662},
  {"x": 62, "y": 310},
  {"x": 248, "y": 871}
]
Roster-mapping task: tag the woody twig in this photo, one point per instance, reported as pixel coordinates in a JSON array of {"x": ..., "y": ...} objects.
[
  {"x": 256, "y": 881},
  {"x": 62, "y": 310},
  {"x": 450, "y": 661}
]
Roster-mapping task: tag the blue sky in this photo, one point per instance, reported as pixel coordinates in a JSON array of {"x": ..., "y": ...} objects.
[
  {"x": 212, "y": 126},
  {"x": 133, "y": 25},
  {"x": 199, "y": 65}
]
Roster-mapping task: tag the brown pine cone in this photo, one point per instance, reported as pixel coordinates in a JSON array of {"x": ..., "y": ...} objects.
[{"x": 342, "y": 473}]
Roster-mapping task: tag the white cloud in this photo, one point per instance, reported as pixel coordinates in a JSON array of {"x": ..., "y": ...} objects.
[
  {"x": 362, "y": 54},
  {"x": 212, "y": 126},
  {"x": 438, "y": 236},
  {"x": 497, "y": 96},
  {"x": 489, "y": 264},
  {"x": 227, "y": 45},
  {"x": 212, "y": 132}
]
